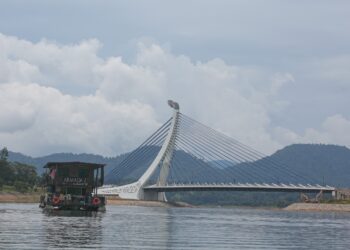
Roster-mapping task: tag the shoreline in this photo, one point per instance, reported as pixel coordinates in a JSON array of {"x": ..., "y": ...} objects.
[
  {"x": 16, "y": 197},
  {"x": 122, "y": 202},
  {"x": 318, "y": 207}
]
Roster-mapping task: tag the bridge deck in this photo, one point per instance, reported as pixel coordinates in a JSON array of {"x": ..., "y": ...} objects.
[{"x": 240, "y": 187}]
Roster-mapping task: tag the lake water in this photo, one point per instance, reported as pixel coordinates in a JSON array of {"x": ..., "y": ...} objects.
[{"x": 24, "y": 226}]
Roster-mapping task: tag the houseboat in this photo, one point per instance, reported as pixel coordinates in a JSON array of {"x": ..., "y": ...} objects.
[{"x": 73, "y": 186}]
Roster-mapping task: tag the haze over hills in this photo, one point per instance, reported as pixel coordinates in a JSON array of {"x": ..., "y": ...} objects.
[
  {"x": 39, "y": 162},
  {"x": 327, "y": 164}
]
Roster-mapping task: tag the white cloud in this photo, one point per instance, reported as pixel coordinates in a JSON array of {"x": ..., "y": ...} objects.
[
  {"x": 67, "y": 98},
  {"x": 68, "y": 67},
  {"x": 37, "y": 119},
  {"x": 334, "y": 130},
  {"x": 335, "y": 68}
]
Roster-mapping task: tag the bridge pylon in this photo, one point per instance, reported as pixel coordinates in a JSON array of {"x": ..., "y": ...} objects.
[{"x": 162, "y": 160}]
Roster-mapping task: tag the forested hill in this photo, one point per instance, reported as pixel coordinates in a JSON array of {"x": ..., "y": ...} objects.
[
  {"x": 328, "y": 164},
  {"x": 39, "y": 162}
]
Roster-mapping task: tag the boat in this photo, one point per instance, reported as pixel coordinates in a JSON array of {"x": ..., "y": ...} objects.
[{"x": 73, "y": 186}]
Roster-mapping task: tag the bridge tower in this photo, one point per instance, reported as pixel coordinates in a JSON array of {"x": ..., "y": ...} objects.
[{"x": 163, "y": 159}]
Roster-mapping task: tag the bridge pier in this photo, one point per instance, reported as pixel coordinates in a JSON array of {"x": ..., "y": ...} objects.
[
  {"x": 318, "y": 198},
  {"x": 152, "y": 196}
]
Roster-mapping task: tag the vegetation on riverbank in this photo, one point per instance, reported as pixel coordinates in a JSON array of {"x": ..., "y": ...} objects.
[
  {"x": 17, "y": 177},
  {"x": 16, "y": 197},
  {"x": 335, "y": 201}
]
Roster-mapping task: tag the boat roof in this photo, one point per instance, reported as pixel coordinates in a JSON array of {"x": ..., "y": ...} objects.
[{"x": 74, "y": 164}]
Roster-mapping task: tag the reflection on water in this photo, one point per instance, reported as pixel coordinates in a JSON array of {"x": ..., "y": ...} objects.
[
  {"x": 24, "y": 226},
  {"x": 72, "y": 229}
]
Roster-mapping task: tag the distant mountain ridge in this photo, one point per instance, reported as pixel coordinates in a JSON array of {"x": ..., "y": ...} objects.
[
  {"x": 39, "y": 162},
  {"x": 328, "y": 164}
]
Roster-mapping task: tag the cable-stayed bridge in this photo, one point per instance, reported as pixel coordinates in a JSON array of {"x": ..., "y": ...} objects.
[{"x": 185, "y": 155}]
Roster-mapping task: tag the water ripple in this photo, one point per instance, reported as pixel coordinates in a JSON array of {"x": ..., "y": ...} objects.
[{"x": 24, "y": 226}]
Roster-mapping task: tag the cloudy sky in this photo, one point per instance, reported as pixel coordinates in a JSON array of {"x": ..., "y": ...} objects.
[{"x": 94, "y": 76}]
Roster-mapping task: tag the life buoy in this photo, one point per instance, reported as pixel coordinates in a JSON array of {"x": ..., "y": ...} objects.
[
  {"x": 96, "y": 201},
  {"x": 56, "y": 200}
]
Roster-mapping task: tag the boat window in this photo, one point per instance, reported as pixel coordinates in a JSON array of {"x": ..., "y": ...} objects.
[
  {"x": 83, "y": 172},
  {"x": 63, "y": 172},
  {"x": 73, "y": 172}
]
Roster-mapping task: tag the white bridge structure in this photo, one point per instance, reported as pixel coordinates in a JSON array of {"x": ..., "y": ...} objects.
[{"x": 185, "y": 155}]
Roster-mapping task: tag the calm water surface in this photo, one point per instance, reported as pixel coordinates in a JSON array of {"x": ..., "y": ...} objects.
[{"x": 24, "y": 226}]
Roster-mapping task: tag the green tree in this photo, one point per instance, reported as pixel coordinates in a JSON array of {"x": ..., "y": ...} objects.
[
  {"x": 23, "y": 177},
  {"x": 6, "y": 172},
  {"x": 21, "y": 186},
  {"x": 24, "y": 173},
  {"x": 4, "y": 154}
]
